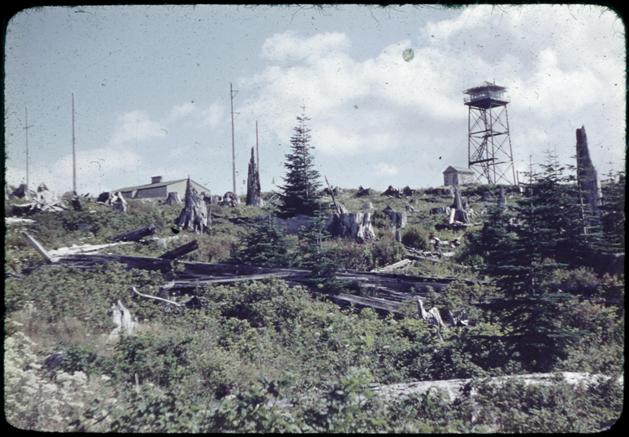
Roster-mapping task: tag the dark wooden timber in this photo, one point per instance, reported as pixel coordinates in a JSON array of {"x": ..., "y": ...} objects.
[
  {"x": 136, "y": 234},
  {"x": 181, "y": 250}
]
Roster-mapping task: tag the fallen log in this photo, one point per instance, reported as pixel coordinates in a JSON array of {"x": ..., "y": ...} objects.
[
  {"x": 181, "y": 250},
  {"x": 192, "y": 284},
  {"x": 38, "y": 247},
  {"x": 136, "y": 234},
  {"x": 85, "y": 248},
  {"x": 453, "y": 387},
  {"x": 392, "y": 267}
]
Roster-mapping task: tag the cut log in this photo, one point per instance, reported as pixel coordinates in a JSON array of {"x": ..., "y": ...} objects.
[
  {"x": 136, "y": 234},
  {"x": 181, "y": 250}
]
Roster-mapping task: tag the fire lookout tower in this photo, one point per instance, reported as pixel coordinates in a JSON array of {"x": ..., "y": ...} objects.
[{"x": 489, "y": 145}]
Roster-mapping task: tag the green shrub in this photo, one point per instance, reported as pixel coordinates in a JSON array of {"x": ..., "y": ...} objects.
[
  {"x": 387, "y": 251},
  {"x": 415, "y": 237}
]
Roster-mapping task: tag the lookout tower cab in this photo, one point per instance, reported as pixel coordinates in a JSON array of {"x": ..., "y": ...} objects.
[{"x": 489, "y": 150}]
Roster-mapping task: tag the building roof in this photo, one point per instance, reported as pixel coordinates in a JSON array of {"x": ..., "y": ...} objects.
[
  {"x": 158, "y": 184},
  {"x": 452, "y": 168},
  {"x": 485, "y": 88}
]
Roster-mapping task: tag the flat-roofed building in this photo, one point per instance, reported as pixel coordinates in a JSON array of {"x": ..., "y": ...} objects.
[
  {"x": 159, "y": 189},
  {"x": 457, "y": 176}
]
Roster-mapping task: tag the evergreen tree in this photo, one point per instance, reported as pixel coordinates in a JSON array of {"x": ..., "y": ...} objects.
[
  {"x": 613, "y": 211},
  {"x": 300, "y": 192},
  {"x": 546, "y": 237},
  {"x": 265, "y": 245}
]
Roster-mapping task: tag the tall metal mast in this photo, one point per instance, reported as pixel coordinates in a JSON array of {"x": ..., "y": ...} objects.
[
  {"x": 26, "y": 127},
  {"x": 73, "y": 150},
  {"x": 257, "y": 150},
  {"x": 232, "y": 92}
]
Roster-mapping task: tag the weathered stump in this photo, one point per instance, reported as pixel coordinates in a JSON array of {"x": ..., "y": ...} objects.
[
  {"x": 194, "y": 216},
  {"x": 363, "y": 191},
  {"x": 355, "y": 225},
  {"x": 172, "y": 198},
  {"x": 230, "y": 199},
  {"x": 393, "y": 192}
]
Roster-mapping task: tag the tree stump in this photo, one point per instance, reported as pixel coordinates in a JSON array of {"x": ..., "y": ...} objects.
[
  {"x": 230, "y": 199},
  {"x": 193, "y": 216},
  {"x": 355, "y": 225},
  {"x": 172, "y": 198},
  {"x": 363, "y": 191}
]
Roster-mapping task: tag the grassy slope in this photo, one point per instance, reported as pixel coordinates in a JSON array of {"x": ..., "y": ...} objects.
[{"x": 246, "y": 334}]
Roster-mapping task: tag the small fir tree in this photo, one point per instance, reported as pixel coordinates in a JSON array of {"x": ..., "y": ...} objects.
[{"x": 301, "y": 190}]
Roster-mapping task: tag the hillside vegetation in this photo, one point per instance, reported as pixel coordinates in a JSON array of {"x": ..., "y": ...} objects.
[{"x": 268, "y": 356}]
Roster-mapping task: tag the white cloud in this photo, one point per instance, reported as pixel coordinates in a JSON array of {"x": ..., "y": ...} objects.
[
  {"x": 213, "y": 115},
  {"x": 385, "y": 169},
  {"x": 288, "y": 46},
  {"x": 190, "y": 115},
  {"x": 181, "y": 111},
  {"x": 560, "y": 76},
  {"x": 136, "y": 126}
]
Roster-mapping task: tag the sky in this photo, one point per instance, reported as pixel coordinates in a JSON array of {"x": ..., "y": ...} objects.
[{"x": 151, "y": 89}]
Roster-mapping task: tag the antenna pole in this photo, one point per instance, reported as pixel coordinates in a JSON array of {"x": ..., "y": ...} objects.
[
  {"x": 231, "y": 99},
  {"x": 73, "y": 150},
  {"x": 26, "y": 127},
  {"x": 257, "y": 150}
]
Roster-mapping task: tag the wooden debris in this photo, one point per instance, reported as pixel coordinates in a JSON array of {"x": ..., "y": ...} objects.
[
  {"x": 193, "y": 216},
  {"x": 136, "y": 234},
  {"x": 432, "y": 317},
  {"x": 148, "y": 296},
  {"x": 38, "y": 247},
  {"x": 394, "y": 266},
  {"x": 18, "y": 221},
  {"x": 181, "y": 250},
  {"x": 125, "y": 322},
  {"x": 454, "y": 387},
  {"x": 85, "y": 248}
]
